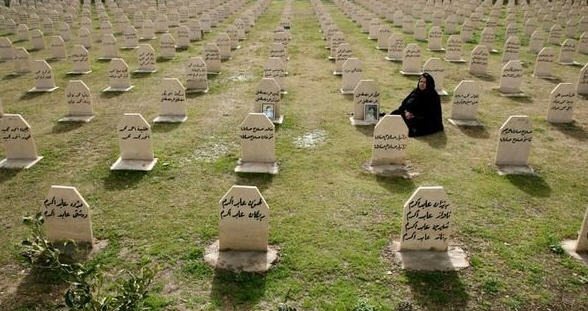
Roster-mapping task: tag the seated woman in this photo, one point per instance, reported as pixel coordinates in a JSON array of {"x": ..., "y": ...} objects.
[{"x": 421, "y": 109}]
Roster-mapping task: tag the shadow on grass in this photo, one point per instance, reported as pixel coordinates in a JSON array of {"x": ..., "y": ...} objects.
[
  {"x": 572, "y": 130},
  {"x": 475, "y": 131},
  {"x": 261, "y": 181},
  {"x": 141, "y": 75},
  {"x": 554, "y": 80},
  {"x": 532, "y": 184},
  {"x": 438, "y": 290},
  {"x": 32, "y": 95},
  {"x": 195, "y": 94},
  {"x": 38, "y": 290},
  {"x": 367, "y": 130},
  {"x": 437, "y": 140},
  {"x": 120, "y": 180},
  {"x": 13, "y": 75},
  {"x": 522, "y": 99},
  {"x": 63, "y": 127},
  {"x": 164, "y": 127},
  {"x": 485, "y": 77},
  {"x": 110, "y": 94},
  {"x": 396, "y": 184},
  {"x": 6, "y": 175},
  {"x": 237, "y": 291},
  {"x": 163, "y": 59}
]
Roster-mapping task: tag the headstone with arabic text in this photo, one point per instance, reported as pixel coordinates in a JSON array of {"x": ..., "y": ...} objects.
[
  {"x": 514, "y": 145},
  {"x": 79, "y": 102},
  {"x": 136, "y": 150},
  {"x": 466, "y": 100},
  {"x": 561, "y": 103},
  {"x": 118, "y": 76},
  {"x": 258, "y": 145},
  {"x": 19, "y": 146},
  {"x": 66, "y": 216},
  {"x": 172, "y": 102}
]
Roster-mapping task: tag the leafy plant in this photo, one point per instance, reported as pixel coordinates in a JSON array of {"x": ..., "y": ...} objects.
[{"x": 363, "y": 305}]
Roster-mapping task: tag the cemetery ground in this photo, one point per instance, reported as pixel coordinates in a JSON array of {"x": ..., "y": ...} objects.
[{"x": 332, "y": 221}]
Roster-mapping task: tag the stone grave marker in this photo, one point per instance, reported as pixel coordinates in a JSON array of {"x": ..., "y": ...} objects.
[
  {"x": 109, "y": 49},
  {"x": 514, "y": 146},
  {"x": 537, "y": 41},
  {"x": 80, "y": 60},
  {"x": 22, "y": 32},
  {"x": 43, "y": 75},
  {"x": 57, "y": 46},
  {"x": 435, "y": 37},
  {"x": 146, "y": 59},
  {"x": 147, "y": 30},
  {"x": 47, "y": 26},
  {"x": 411, "y": 60},
  {"x": 567, "y": 53},
  {"x": 352, "y": 73},
  {"x": 223, "y": 41},
  {"x": 183, "y": 34},
  {"x": 79, "y": 102},
  {"x": 195, "y": 30},
  {"x": 205, "y": 22},
  {"x": 434, "y": 66},
  {"x": 544, "y": 64},
  {"x": 383, "y": 34},
  {"x": 583, "y": 43},
  {"x": 420, "y": 32},
  {"x": 511, "y": 79},
  {"x": 582, "y": 86},
  {"x": 212, "y": 58},
  {"x": 86, "y": 22},
  {"x": 167, "y": 46},
  {"x": 373, "y": 28},
  {"x": 231, "y": 31},
  {"x": 579, "y": 248},
  {"x": 37, "y": 40},
  {"x": 19, "y": 146},
  {"x": 479, "y": 61},
  {"x": 561, "y": 103},
  {"x": 511, "y": 30},
  {"x": 196, "y": 76},
  {"x": 258, "y": 145},
  {"x": 454, "y": 52},
  {"x": 466, "y": 99},
  {"x": 488, "y": 38},
  {"x": 451, "y": 24},
  {"x": 343, "y": 53},
  {"x": 172, "y": 102},
  {"x": 366, "y": 103},
  {"x": 161, "y": 24},
  {"x": 555, "y": 35},
  {"x": 408, "y": 24},
  {"x": 511, "y": 50},
  {"x": 530, "y": 26},
  {"x": 136, "y": 150},
  {"x": 22, "y": 61},
  {"x": 467, "y": 31},
  {"x": 278, "y": 50},
  {"x": 10, "y": 26},
  {"x": 118, "y": 75},
  {"x": 395, "y": 48},
  {"x": 106, "y": 28},
  {"x": 267, "y": 100},
  {"x": 66, "y": 216},
  {"x": 281, "y": 37},
  {"x": 389, "y": 147},
  {"x": 85, "y": 38},
  {"x": 275, "y": 68},
  {"x": 336, "y": 39},
  {"x": 131, "y": 40}
]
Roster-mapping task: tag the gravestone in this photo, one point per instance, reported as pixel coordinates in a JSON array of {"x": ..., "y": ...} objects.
[
  {"x": 231, "y": 31},
  {"x": 583, "y": 43},
  {"x": 167, "y": 46},
  {"x": 85, "y": 38},
  {"x": 19, "y": 146},
  {"x": 579, "y": 248},
  {"x": 267, "y": 100},
  {"x": 530, "y": 26},
  {"x": 511, "y": 79},
  {"x": 561, "y": 103},
  {"x": 389, "y": 147},
  {"x": 567, "y": 53},
  {"x": 373, "y": 29},
  {"x": 172, "y": 102},
  {"x": 205, "y": 22},
  {"x": 537, "y": 41},
  {"x": 281, "y": 37},
  {"x": 37, "y": 40},
  {"x": 555, "y": 35},
  {"x": 511, "y": 50},
  {"x": 118, "y": 76},
  {"x": 106, "y": 28},
  {"x": 435, "y": 37},
  {"x": 223, "y": 41},
  {"x": 454, "y": 52},
  {"x": 109, "y": 50},
  {"x": 80, "y": 60},
  {"x": 451, "y": 24},
  {"x": 22, "y": 61},
  {"x": 47, "y": 26},
  {"x": 511, "y": 30},
  {"x": 22, "y": 32},
  {"x": 395, "y": 48},
  {"x": 196, "y": 76},
  {"x": 343, "y": 53},
  {"x": 582, "y": 86},
  {"x": 420, "y": 32},
  {"x": 544, "y": 64},
  {"x": 411, "y": 60},
  {"x": 57, "y": 48},
  {"x": 258, "y": 145},
  {"x": 334, "y": 41},
  {"x": 86, "y": 22},
  {"x": 161, "y": 24},
  {"x": 467, "y": 31},
  {"x": 136, "y": 151},
  {"x": 66, "y": 216},
  {"x": 352, "y": 73},
  {"x": 276, "y": 69},
  {"x": 131, "y": 40},
  {"x": 43, "y": 75},
  {"x": 146, "y": 59},
  {"x": 436, "y": 68},
  {"x": 79, "y": 102},
  {"x": 514, "y": 146},
  {"x": 195, "y": 30},
  {"x": 383, "y": 33},
  {"x": 466, "y": 99},
  {"x": 147, "y": 30},
  {"x": 408, "y": 24},
  {"x": 183, "y": 34},
  {"x": 488, "y": 38},
  {"x": 278, "y": 50},
  {"x": 212, "y": 58},
  {"x": 366, "y": 103}
]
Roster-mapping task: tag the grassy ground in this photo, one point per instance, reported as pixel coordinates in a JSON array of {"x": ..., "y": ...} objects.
[{"x": 332, "y": 221}]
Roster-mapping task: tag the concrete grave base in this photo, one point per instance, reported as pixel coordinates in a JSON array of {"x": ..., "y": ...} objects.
[
  {"x": 515, "y": 170},
  {"x": 437, "y": 50},
  {"x": 213, "y": 72},
  {"x": 464, "y": 122},
  {"x": 442, "y": 93},
  {"x": 283, "y": 92},
  {"x": 337, "y": 73},
  {"x": 19, "y": 163},
  {"x": 393, "y": 59},
  {"x": 509, "y": 93},
  {"x": 170, "y": 119},
  {"x": 105, "y": 58},
  {"x": 116, "y": 89},
  {"x": 570, "y": 247},
  {"x": 279, "y": 120},
  {"x": 460, "y": 61},
  {"x": 128, "y": 47},
  {"x": 133, "y": 165},
  {"x": 356, "y": 122},
  {"x": 494, "y": 51},
  {"x": 84, "y": 119},
  {"x": 381, "y": 48},
  {"x": 390, "y": 170},
  {"x": 71, "y": 73},
  {"x": 346, "y": 92},
  {"x": 406, "y": 73},
  {"x": 145, "y": 38},
  {"x": 331, "y": 58},
  {"x": 257, "y": 167},
  {"x": 40, "y": 90},
  {"x": 546, "y": 77},
  {"x": 573, "y": 63},
  {"x": 194, "y": 91},
  {"x": 451, "y": 260},
  {"x": 238, "y": 261},
  {"x": 145, "y": 71}
]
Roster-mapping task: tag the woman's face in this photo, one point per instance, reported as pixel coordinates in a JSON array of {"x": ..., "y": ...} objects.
[{"x": 422, "y": 83}]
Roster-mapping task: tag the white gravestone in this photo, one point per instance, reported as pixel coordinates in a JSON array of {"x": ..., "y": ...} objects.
[
  {"x": 352, "y": 73},
  {"x": 66, "y": 216},
  {"x": 395, "y": 48},
  {"x": 466, "y": 99},
  {"x": 22, "y": 61},
  {"x": 579, "y": 248},
  {"x": 276, "y": 69},
  {"x": 512, "y": 48},
  {"x": 109, "y": 50},
  {"x": 389, "y": 147},
  {"x": 567, "y": 53},
  {"x": 411, "y": 60},
  {"x": 537, "y": 41},
  {"x": 118, "y": 76},
  {"x": 6, "y": 49},
  {"x": 511, "y": 79},
  {"x": 79, "y": 102},
  {"x": 212, "y": 58},
  {"x": 84, "y": 37},
  {"x": 343, "y": 53},
  {"x": 561, "y": 103},
  {"x": 19, "y": 146},
  {"x": 267, "y": 100},
  {"x": 22, "y": 32},
  {"x": 544, "y": 64},
  {"x": 582, "y": 86},
  {"x": 514, "y": 146},
  {"x": 420, "y": 32},
  {"x": 196, "y": 76},
  {"x": 258, "y": 145},
  {"x": 488, "y": 38},
  {"x": 167, "y": 46},
  {"x": 146, "y": 59},
  {"x": 80, "y": 60},
  {"x": 436, "y": 68},
  {"x": 57, "y": 46},
  {"x": 44, "y": 79},
  {"x": 454, "y": 52},
  {"x": 366, "y": 103},
  {"x": 555, "y": 35},
  {"x": 172, "y": 102},
  {"x": 223, "y": 41},
  {"x": 583, "y": 43},
  {"x": 183, "y": 35},
  {"x": 147, "y": 30},
  {"x": 435, "y": 37},
  {"x": 37, "y": 40},
  {"x": 131, "y": 40},
  {"x": 136, "y": 151}
]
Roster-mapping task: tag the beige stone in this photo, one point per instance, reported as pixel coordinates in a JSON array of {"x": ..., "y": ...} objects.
[
  {"x": 436, "y": 68},
  {"x": 454, "y": 52},
  {"x": 57, "y": 46},
  {"x": 84, "y": 37},
  {"x": 244, "y": 220},
  {"x": 530, "y": 26},
  {"x": 195, "y": 30},
  {"x": 343, "y": 53},
  {"x": 544, "y": 63},
  {"x": 106, "y": 28},
  {"x": 426, "y": 220},
  {"x": 373, "y": 29},
  {"x": 118, "y": 75},
  {"x": 567, "y": 52},
  {"x": 276, "y": 69},
  {"x": 37, "y": 39},
  {"x": 389, "y": 142},
  {"x": 464, "y": 108},
  {"x": 366, "y": 95},
  {"x": 555, "y": 35},
  {"x": 514, "y": 143},
  {"x": 467, "y": 30},
  {"x": 183, "y": 35},
  {"x": 582, "y": 85},
  {"x": 411, "y": 60},
  {"x": 196, "y": 76},
  {"x": 161, "y": 24},
  {"x": 258, "y": 145},
  {"x": 80, "y": 60},
  {"x": 22, "y": 32},
  {"x": 212, "y": 58},
  {"x": 131, "y": 39},
  {"x": 383, "y": 34},
  {"x": 167, "y": 46},
  {"x": 395, "y": 48},
  {"x": 136, "y": 150},
  {"x": 582, "y": 241},
  {"x": 22, "y": 61},
  {"x": 19, "y": 146},
  {"x": 146, "y": 59},
  {"x": 420, "y": 32},
  {"x": 561, "y": 103},
  {"x": 537, "y": 41},
  {"x": 172, "y": 102},
  {"x": 109, "y": 49},
  {"x": 147, "y": 30},
  {"x": 352, "y": 73},
  {"x": 67, "y": 216},
  {"x": 334, "y": 41},
  {"x": 583, "y": 43},
  {"x": 278, "y": 50},
  {"x": 267, "y": 100},
  {"x": 281, "y": 37},
  {"x": 79, "y": 102},
  {"x": 408, "y": 24},
  {"x": 43, "y": 75},
  {"x": 511, "y": 50},
  {"x": 488, "y": 38},
  {"x": 205, "y": 22},
  {"x": 511, "y": 79},
  {"x": 434, "y": 39}
]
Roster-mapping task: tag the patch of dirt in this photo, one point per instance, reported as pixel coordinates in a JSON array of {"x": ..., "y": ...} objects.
[
  {"x": 211, "y": 152},
  {"x": 311, "y": 139}
]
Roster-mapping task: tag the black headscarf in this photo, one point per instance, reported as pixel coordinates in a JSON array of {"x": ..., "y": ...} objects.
[{"x": 425, "y": 105}]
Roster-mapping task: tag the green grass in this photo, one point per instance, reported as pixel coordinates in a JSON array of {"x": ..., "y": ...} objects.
[{"x": 332, "y": 221}]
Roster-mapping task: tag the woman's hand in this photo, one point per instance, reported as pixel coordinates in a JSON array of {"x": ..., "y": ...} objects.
[{"x": 408, "y": 115}]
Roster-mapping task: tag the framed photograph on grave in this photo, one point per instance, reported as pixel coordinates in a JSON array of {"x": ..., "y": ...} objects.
[
  {"x": 268, "y": 110},
  {"x": 370, "y": 112}
]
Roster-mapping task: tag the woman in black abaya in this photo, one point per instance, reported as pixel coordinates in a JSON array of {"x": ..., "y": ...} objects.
[{"x": 421, "y": 109}]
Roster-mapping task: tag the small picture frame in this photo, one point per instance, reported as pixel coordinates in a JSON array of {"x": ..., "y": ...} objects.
[
  {"x": 370, "y": 113},
  {"x": 269, "y": 111}
]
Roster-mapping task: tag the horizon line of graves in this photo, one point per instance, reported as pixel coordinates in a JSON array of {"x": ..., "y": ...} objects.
[{"x": 244, "y": 214}]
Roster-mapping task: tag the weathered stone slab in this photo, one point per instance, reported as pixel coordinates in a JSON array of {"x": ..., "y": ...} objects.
[
  {"x": 561, "y": 103},
  {"x": 196, "y": 76},
  {"x": 352, "y": 73},
  {"x": 389, "y": 148},
  {"x": 119, "y": 77},
  {"x": 136, "y": 150},
  {"x": 258, "y": 145},
  {"x": 466, "y": 99},
  {"x": 67, "y": 216},
  {"x": 366, "y": 103},
  {"x": 44, "y": 79},
  {"x": 411, "y": 60},
  {"x": 19, "y": 146},
  {"x": 267, "y": 100},
  {"x": 172, "y": 102},
  {"x": 79, "y": 102},
  {"x": 514, "y": 146}
]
